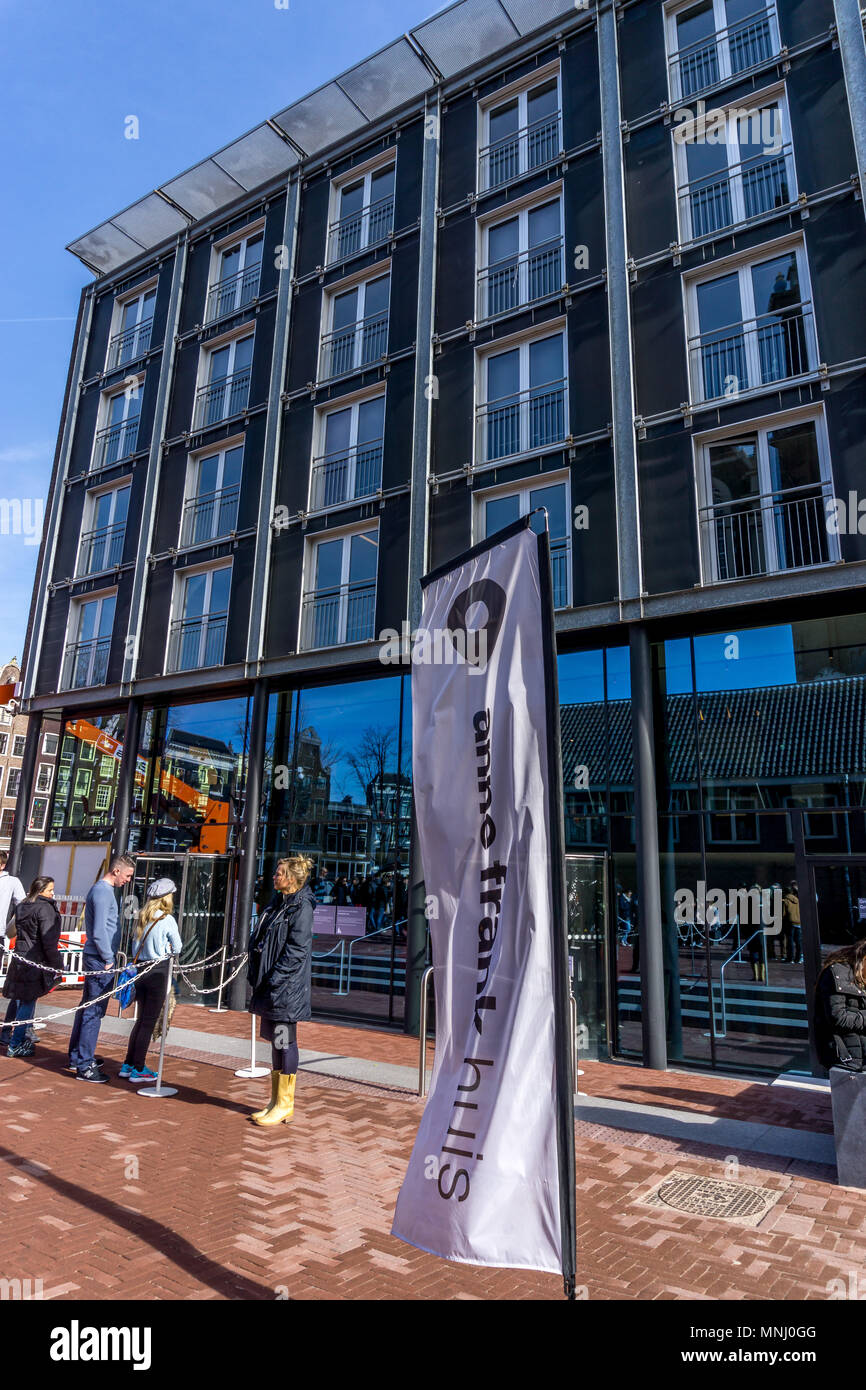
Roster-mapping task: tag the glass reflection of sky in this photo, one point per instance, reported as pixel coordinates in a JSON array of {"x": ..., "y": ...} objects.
[
  {"x": 340, "y": 714},
  {"x": 581, "y": 676},
  {"x": 746, "y": 660},
  {"x": 222, "y": 720},
  {"x": 758, "y": 657}
]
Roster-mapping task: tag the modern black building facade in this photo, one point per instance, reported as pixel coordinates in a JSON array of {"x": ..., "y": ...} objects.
[{"x": 605, "y": 258}]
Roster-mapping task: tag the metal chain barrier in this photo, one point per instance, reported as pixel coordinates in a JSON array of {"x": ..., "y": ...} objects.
[
  {"x": 213, "y": 988},
  {"x": 109, "y": 994},
  {"x": 86, "y": 1003}
]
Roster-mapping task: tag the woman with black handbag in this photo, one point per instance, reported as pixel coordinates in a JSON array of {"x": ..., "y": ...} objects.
[
  {"x": 157, "y": 936},
  {"x": 279, "y": 972},
  {"x": 37, "y": 931}
]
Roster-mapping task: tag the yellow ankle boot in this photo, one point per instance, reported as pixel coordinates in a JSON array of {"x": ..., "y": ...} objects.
[
  {"x": 284, "y": 1106},
  {"x": 275, "y": 1075}
]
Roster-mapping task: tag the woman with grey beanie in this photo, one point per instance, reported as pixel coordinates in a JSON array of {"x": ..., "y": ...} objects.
[{"x": 157, "y": 936}]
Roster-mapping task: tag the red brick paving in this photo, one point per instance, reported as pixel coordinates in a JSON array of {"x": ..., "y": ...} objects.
[{"x": 110, "y": 1195}]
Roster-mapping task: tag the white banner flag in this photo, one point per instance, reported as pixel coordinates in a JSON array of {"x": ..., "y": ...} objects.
[{"x": 484, "y": 1181}]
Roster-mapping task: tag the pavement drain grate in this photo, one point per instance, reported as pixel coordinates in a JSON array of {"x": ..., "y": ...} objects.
[{"x": 711, "y": 1197}]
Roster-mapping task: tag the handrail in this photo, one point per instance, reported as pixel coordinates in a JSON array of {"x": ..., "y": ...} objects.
[
  {"x": 377, "y": 218},
  {"x": 323, "y": 955},
  {"x": 422, "y": 1052},
  {"x": 692, "y": 59},
  {"x": 724, "y": 1033},
  {"x": 368, "y": 936}
]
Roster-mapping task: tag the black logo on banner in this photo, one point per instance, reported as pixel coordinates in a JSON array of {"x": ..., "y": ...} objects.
[{"x": 494, "y": 599}]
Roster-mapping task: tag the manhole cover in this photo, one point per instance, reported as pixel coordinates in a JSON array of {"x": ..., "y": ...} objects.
[{"x": 712, "y": 1197}]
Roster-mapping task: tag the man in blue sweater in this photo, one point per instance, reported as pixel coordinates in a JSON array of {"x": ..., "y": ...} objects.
[{"x": 102, "y": 926}]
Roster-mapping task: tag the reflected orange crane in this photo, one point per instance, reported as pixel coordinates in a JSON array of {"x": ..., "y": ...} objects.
[{"x": 214, "y": 829}]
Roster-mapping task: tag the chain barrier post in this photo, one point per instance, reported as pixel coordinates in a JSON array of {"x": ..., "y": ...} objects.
[
  {"x": 160, "y": 1090},
  {"x": 219, "y": 1007},
  {"x": 253, "y": 1069}
]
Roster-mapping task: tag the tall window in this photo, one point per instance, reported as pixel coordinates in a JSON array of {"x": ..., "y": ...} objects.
[
  {"x": 4, "y": 739},
  {"x": 235, "y": 278},
  {"x": 198, "y": 636},
  {"x": 350, "y": 464},
  {"x": 13, "y": 781},
  {"x": 133, "y": 323},
  {"x": 44, "y": 777},
  {"x": 363, "y": 213},
  {"x": 214, "y": 484},
  {"x": 91, "y": 622},
  {"x": 732, "y": 166},
  {"x": 520, "y": 133},
  {"x": 714, "y": 40},
  {"x": 523, "y": 394},
  {"x": 522, "y": 259},
  {"x": 7, "y": 820},
  {"x": 117, "y": 436},
  {"x": 18, "y": 745},
  {"x": 357, "y": 321},
  {"x": 340, "y": 602},
  {"x": 751, "y": 327},
  {"x": 101, "y": 546},
  {"x": 765, "y": 494},
  {"x": 49, "y": 745},
  {"x": 225, "y": 390},
  {"x": 38, "y": 812},
  {"x": 500, "y": 509}
]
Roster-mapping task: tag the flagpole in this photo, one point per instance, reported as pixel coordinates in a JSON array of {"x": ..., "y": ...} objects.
[{"x": 561, "y": 1002}]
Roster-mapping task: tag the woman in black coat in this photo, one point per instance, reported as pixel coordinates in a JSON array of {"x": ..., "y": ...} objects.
[
  {"x": 840, "y": 1013},
  {"x": 279, "y": 972},
  {"x": 37, "y": 932}
]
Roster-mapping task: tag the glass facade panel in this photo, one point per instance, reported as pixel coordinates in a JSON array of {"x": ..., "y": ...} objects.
[
  {"x": 87, "y": 774},
  {"x": 338, "y": 789}
]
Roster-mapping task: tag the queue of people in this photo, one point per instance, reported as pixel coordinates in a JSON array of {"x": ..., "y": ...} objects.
[{"x": 33, "y": 922}]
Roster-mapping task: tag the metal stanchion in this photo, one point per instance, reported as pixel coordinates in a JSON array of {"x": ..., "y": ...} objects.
[
  {"x": 422, "y": 1054},
  {"x": 219, "y": 1007},
  {"x": 253, "y": 1069},
  {"x": 159, "y": 1089}
]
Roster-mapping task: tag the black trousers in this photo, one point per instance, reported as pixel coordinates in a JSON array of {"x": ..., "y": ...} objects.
[
  {"x": 285, "y": 1057},
  {"x": 150, "y": 997}
]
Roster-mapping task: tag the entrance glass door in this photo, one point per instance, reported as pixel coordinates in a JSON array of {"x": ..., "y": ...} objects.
[
  {"x": 204, "y": 883},
  {"x": 586, "y": 902}
]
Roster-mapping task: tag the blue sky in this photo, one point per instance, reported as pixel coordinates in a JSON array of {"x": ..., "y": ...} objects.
[{"x": 197, "y": 74}]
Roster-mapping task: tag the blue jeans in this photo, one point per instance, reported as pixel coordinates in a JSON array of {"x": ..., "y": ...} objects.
[
  {"x": 24, "y": 1011},
  {"x": 13, "y": 1013},
  {"x": 85, "y": 1029}
]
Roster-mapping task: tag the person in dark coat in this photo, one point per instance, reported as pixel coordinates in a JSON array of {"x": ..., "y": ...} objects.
[
  {"x": 279, "y": 971},
  {"x": 37, "y": 928},
  {"x": 840, "y": 1009}
]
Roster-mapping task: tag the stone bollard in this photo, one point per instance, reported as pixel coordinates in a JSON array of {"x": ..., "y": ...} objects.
[{"x": 848, "y": 1095}]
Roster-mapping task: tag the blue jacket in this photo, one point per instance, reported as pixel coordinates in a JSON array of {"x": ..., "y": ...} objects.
[{"x": 102, "y": 925}]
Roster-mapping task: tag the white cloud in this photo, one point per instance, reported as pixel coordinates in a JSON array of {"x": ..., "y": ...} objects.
[{"x": 24, "y": 453}]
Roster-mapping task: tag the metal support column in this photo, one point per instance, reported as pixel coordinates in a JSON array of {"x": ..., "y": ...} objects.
[
  {"x": 154, "y": 464},
  {"x": 652, "y": 986},
  {"x": 250, "y": 841},
  {"x": 273, "y": 429},
  {"x": 852, "y": 43},
  {"x": 126, "y": 777},
  {"x": 619, "y": 312},
  {"x": 51, "y": 530},
  {"x": 425, "y": 394},
  {"x": 25, "y": 791}
]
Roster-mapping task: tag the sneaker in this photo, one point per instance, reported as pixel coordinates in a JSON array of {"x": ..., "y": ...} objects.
[
  {"x": 72, "y": 1066},
  {"x": 92, "y": 1074},
  {"x": 143, "y": 1074},
  {"x": 126, "y": 1071},
  {"x": 25, "y": 1049}
]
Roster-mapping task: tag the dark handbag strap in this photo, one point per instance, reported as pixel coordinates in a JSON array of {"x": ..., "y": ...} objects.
[{"x": 144, "y": 938}]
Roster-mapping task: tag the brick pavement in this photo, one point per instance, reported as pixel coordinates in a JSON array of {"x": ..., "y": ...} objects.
[{"x": 109, "y": 1195}]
